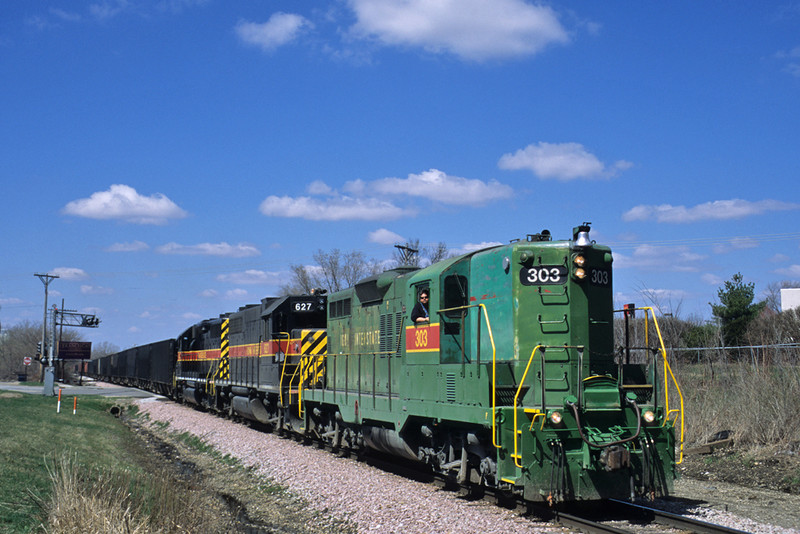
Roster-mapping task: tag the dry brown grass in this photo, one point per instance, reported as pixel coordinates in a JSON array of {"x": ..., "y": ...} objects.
[
  {"x": 758, "y": 403},
  {"x": 122, "y": 502}
]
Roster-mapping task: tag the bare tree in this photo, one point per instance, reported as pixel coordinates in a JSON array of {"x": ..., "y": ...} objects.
[
  {"x": 436, "y": 253},
  {"x": 21, "y": 340},
  {"x": 773, "y": 293},
  {"x": 301, "y": 282},
  {"x": 409, "y": 254},
  {"x": 334, "y": 271},
  {"x": 104, "y": 348}
]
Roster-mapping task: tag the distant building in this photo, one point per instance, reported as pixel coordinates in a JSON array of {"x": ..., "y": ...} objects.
[{"x": 790, "y": 298}]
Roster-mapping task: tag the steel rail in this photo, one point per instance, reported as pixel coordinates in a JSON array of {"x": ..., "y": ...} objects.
[
  {"x": 574, "y": 522},
  {"x": 675, "y": 520}
]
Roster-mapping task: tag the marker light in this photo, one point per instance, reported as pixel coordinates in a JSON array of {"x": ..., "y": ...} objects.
[
  {"x": 579, "y": 260},
  {"x": 555, "y": 418},
  {"x": 580, "y": 273},
  {"x": 648, "y": 416}
]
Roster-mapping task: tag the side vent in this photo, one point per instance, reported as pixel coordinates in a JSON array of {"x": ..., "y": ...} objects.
[{"x": 450, "y": 386}]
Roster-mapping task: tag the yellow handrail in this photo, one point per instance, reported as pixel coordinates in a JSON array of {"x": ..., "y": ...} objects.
[
  {"x": 516, "y": 455},
  {"x": 309, "y": 359},
  {"x": 668, "y": 370},
  {"x": 285, "y": 358}
]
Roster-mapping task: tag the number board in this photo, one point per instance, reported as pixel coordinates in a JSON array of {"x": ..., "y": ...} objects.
[
  {"x": 600, "y": 277},
  {"x": 306, "y": 306},
  {"x": 543, "y": 275}
]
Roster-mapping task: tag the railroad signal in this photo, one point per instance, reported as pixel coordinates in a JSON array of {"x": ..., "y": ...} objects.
[{"x": 90, "y": 321}]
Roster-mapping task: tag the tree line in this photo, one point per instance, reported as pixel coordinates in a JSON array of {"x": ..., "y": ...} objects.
[{"x": 738, "y": 319}]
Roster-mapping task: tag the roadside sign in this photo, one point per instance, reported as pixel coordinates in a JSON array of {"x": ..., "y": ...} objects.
[
  {"x": 26, "y": 360},
  {"x": 74, "y": 350}
]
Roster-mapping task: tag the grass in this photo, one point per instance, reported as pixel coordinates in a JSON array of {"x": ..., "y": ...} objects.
[
  {"x": 65, "y": 473},
  {"x": 758, "y": 403},
  {"x": 198, "y": 444},
  {"x": 33, "y": 434}
]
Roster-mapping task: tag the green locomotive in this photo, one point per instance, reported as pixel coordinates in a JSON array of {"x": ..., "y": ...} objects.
[
  {"x": 514, "y": 382},
  {"x": 506, "y": 376}
]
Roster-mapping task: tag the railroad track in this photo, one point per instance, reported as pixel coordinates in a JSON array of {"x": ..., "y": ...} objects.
[
  {"x": 680, "y": 522},
  {"x": 598, "y": 522}
]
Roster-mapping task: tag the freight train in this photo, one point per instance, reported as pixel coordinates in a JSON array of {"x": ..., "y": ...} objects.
[{"x": 512, "y": 382}]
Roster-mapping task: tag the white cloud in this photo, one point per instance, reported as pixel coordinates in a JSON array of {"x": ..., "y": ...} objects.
[
  {"x": 66, "y": 16},
  {"x": 716, "y": 210},
  {"x": 382, "y": 236},
  {"x": 69, "y": 273},
  {"x": 474, "y": 30},
  {"x": 252, "y": 276},
  {"x": 650, "y": 258},
  {"x": 108, "y": 8},
  {"x": 96, "y": 290},
  {"x": 436, "y": 186},
  {"x": 472, "y": 247},
  {"x": 791, "y": 271},
  {"x": 360, "y": 202},
  {"x": 561, "y": 161},
  {"x": 792, "y": 58},
  {"x": 711, "y": 279},
  {"x": 209, "y": 293},
  {"x": 318, "y": 187},
  {"x": 135, "y": 246},
  {"x": 736, "y": 243},
  {"x": 223, "y": 249},
  {"x": 281, "y": 28},
  {"x": 236, "y": 294},
  {"x": 338, "y": 208},
  {"x": 124, "y": 203}
]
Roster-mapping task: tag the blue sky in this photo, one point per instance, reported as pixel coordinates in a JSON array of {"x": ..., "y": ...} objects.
[{"x": 169, "y": 159}]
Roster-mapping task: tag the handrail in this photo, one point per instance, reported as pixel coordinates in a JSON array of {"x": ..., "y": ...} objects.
[
  {"x": 516, "y": 455},
  {"x": 309, "y": 359},
  {"x": 285, "y": 358},
  {"x": 543, "y": 348},
  {"x": 667, "y": 370}
]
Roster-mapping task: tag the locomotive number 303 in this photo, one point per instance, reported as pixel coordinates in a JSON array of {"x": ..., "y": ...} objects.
[
  {"x": 542, "y": 275},
  {"x": 421, "y": 338}
]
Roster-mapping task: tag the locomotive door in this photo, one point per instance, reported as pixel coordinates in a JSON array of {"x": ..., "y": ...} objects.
[{"x": 455, "y": 318}]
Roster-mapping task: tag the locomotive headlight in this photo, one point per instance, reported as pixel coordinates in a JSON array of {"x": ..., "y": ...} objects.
[
  {"x": 555, "y": 418},
  {"x": 579, "y": 273},
  {"x": 649, "y": 417},
  {"x": 579, "y": 260}
]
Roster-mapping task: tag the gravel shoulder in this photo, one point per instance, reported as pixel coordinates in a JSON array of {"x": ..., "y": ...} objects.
[
  {"x": 326, "y": 493},
  {"x": 764, "y": 488}
]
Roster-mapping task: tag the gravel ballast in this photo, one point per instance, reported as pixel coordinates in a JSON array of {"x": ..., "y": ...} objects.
[{"x": 373, "y": 500}]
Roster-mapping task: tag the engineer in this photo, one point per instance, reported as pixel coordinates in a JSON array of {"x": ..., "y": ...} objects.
[{"x": 420, "y": 312}]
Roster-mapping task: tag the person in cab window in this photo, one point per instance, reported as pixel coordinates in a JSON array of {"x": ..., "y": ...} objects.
[{"x": 420, "y": 312}]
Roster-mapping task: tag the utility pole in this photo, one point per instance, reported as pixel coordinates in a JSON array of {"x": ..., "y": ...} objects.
[
  {"x": 49, "y": 378},
  {"x": 408, "y": 255}
]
